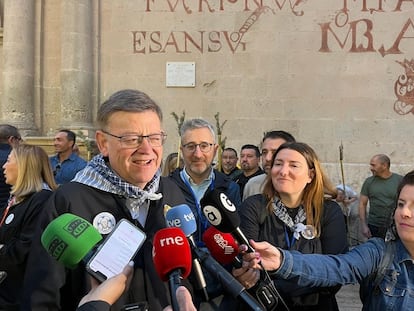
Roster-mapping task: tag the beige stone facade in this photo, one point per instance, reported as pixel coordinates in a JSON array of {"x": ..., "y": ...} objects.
[{"x": 327, "y": 71}]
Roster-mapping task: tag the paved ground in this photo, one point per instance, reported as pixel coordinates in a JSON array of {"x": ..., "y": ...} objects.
[{"x": 348, "y": 298}]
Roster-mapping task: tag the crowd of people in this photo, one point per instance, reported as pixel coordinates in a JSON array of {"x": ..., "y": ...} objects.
[{"x": 297, "y": 222}]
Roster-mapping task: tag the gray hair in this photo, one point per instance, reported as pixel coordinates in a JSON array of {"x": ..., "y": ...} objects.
[
  {"x": 126, "y": 100},
  {"x": 192, "y": 124}
]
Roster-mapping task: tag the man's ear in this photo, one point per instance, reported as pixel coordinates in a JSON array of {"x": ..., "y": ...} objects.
[
  {"x": 216, "y": 146},
  {"x": 102, "y": 143}
]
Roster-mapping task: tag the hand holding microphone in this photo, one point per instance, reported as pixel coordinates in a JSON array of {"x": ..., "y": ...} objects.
[
  {"x": 225, "y": 250},
  {"x": 222, "y": 214},
  {"x": 183, "y": 218}
]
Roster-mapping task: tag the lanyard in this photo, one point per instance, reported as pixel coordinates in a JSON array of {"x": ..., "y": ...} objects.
[
  {"x": 6, "y": 211},
  {"x": 290, "y": 242}
]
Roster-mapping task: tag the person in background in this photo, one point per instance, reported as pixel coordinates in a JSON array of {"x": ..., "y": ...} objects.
[
  {"x": 229, "y": 160},
  {"x": 123, "y": 181},
  {"x": 199, "y": 147},
  {"x": 387, "y": 284},
  {"x": 249, "y": 163},
  {"x": 348, "y": 201},
  {"x": 9, "y": 137},
  {"x": 65, "y": 163},
  {"x": 380, "y": 190},
  {"x": 170, "y": 164},
  {"x": 293, "y": 213},
  {"x": 271, "y": 141},
  {"x": 29, "y": 173}
]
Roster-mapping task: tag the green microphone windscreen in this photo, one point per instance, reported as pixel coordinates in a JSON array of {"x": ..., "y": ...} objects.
[{"x": 69, "y": 238}]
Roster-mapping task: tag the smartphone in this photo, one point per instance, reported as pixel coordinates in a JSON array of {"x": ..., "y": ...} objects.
[{"x": 119, "y": 248}]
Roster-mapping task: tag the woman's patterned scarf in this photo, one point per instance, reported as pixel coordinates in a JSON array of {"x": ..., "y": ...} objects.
[{"x": 295, "y": 225}]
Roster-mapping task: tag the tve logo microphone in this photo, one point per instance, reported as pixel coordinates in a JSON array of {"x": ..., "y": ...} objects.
[{"x": 182, "y": 217}]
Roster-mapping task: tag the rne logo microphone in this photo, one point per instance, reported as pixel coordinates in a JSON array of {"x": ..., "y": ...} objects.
[{"x": 172, "y": 240}]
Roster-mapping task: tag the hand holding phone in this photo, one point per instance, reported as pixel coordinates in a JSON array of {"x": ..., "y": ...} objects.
[{"x": 119, "y": 248}]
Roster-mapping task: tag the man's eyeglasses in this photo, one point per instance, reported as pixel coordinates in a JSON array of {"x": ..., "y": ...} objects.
[
  {"x": 134, "y": 141},
  {"x": 204, "y": 147}
]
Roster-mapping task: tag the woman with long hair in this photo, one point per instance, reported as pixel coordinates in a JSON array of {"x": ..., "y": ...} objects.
[
  {"x": 29, "y": 173},
  {"x": 295, "y": 212},
  {"x": 384, "y": 268}
]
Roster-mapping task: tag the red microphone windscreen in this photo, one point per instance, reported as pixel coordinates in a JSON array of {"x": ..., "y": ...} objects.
[
  {"x": 171, "y": 251},
  {"x": 223, "y": 247}
]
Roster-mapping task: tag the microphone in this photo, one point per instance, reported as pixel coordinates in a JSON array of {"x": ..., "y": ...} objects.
[
  {"x": 182, "y": 217},
  {"x": 229, "y": 283},
  {"x": 223, "y": 247},
  {"x": 222, "y": 214},
  {"x": 70, "y": 239},
  {"x": 172, "y": 259}
]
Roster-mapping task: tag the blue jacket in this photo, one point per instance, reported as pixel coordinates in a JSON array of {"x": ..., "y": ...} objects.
[{"x": 396, "y": 288}]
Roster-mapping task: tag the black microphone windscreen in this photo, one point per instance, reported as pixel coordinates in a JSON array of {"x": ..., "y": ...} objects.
[{"x": 220, "y": 211}]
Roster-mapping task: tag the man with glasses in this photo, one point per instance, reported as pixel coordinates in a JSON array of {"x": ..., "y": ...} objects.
[
  {"x": 9, "y": 137},
  {"x": 198, "y": 148},
  {"x": 123, "y": 181}
]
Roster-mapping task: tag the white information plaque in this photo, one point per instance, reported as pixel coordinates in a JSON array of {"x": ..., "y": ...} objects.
[{"x": 180, "y": 74}]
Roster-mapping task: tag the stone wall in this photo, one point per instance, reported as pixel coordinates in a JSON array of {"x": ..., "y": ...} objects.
[{"x": 329, "y": 72}]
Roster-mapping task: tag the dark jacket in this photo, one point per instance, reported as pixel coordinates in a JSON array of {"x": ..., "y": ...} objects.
[
  {"x": 52, "y": 287},
  {"x": 259, "y": 225},
  {"x": 17, "y": 234},
  {"x": 231, "y": 189},
  {"x": 222, "y": 183}
]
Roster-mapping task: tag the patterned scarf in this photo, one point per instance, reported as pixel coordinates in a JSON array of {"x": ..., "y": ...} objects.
[
  {"x": 295, "y": 225},
  {"x": 99, "y": 175}
]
